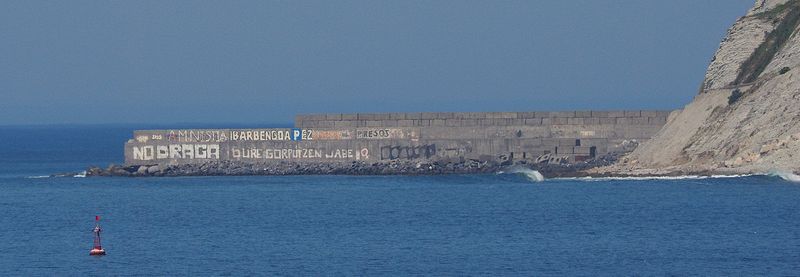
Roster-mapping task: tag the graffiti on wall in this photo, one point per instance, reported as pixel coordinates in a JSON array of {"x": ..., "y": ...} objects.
[
  {"x": 295, "y": 134},
  {"x": 408, "y": 152},
  {"x": 386, "y": 133},
  {"x": 176, "y": 151},
  {"x": 298, "y": 153},
  {"x": 332, "y": 135}
]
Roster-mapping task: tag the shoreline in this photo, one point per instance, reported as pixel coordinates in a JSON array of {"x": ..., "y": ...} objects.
[
  {"x": 411, "y": 168},
  {"x": 592, "y": 169}
]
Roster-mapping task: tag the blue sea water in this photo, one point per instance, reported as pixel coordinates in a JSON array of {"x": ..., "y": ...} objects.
[{"x": 376, "y": 225}]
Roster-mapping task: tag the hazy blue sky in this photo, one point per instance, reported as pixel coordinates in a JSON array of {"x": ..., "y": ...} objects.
[{"x": 265, "y": 61}]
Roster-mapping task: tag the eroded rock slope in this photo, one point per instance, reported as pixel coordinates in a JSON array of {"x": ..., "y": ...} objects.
[{"x": 746, "y": 117}]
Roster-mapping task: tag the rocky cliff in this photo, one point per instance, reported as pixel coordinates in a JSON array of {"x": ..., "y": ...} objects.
[{"x": 746, "y": 117}]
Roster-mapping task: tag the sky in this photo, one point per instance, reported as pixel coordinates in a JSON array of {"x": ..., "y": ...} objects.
[{"x": 147, "y": 62}]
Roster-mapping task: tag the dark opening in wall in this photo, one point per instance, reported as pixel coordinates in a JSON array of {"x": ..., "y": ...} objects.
[
  {"x": 577, "y": 142},
  {"x": 593, "y": 152},
  {"x": 556, "y": 150}
]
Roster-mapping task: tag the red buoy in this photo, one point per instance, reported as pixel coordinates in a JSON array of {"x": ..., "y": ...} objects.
[{"x": 97, "y": 250}]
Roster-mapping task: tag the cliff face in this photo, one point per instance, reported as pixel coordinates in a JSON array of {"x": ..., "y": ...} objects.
[{"x": 746, "y": 117}]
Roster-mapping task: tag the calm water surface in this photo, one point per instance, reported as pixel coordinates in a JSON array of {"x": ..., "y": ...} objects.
[{"x": 343, "y": 225}]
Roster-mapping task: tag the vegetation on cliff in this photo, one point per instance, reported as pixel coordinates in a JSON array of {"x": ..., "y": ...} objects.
[{"x": 787, "y": 16}]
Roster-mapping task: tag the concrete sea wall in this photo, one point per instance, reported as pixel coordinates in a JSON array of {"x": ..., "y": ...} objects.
[{"x": 560, "y": 137}]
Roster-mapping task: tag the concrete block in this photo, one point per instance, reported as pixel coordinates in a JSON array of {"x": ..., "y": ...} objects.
[
  {"x": 649, "y": 113},
  {"x": 498, "y": 115},
  {"x": 469, "y": 122},
  {"x": 640, "y": 120},
  {"x": 397, "y": 116},
  {"x": 589, "y": 142},
  {"x": 501, "y": 122},
  {"x": 413, "y": 116},
  {"x": 633, "y": 113},
  {"x": 388, "y": 123},
  {"x": 307, "y": 124},
  {"x": 550, "y": 142},
  {"x": 445, "y": 115},
  {"x": 526, "y": 115},
  {"x": 563, "y": 114},
  {"x": 339, "y": 124},
  {"x": 437, "y": 122},
  {"x": 367, "y": 116},
  {"x": 599, "y": 113},
  {"x": 428, "y": 116},
  {"x": 405, "y": 123},
  {"x": 624, "y": 121},
  {"x": 422, "y": 122},
  {"x": 530, "y": 143},
  {"x": 608, "y": 121},
  {"x": 459, "y": 115},
  {"x": 581, "y": 150},
  {"x": 616, "y": 113},
  {"x": 474, "y": 115},
  {"x": 663, "y": 113},
  {"x": 559, "y": 121},
  {"x": 566, "y": 142},
  {"x": 324, "y": 124},
  {"x": 314, "y": 117},
  {"x": 452, "y": 122},
  {"x": 486, "y": 122},
  {"x": 575, "y": 121},
  {"x": 546, "y": 120},
  {"x": 591, "y": 121},
  {"x": 533, "y": 121},
  {"x": 583, "y": 113},
  {"x": 657, "y": 120},
  {"x": 333, "y": 117},
  {"x": 349, "y": 116},
  {"x": 517, "y": 122},
  {"x": 374, "y": 123}
]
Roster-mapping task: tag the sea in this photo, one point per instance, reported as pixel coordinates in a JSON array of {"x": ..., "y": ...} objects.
[{"x": 503, "y": 224}]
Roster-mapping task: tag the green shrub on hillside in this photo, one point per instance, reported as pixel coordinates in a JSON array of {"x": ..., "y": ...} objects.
[
  {"x": 763, "y": 55},
  {"x": 784, "y": 70},
  {"x": 735, "y": 95}
]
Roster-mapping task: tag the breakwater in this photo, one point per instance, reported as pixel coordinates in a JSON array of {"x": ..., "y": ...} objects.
[{"x": 340, "y": 140}]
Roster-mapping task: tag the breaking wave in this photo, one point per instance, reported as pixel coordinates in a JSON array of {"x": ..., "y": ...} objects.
[
  {"x": 81, "y": 174},
  {"x": 647, "y": 178},
  {"x": 530, "y": 174},
  {"x": 786, "y": 175}
]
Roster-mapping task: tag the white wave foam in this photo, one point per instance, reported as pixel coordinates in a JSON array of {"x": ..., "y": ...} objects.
[
  {"x": 647, "y": 178},
  {"x": 80, "y": 175},
  {"x": 786, "y": 175},
  {"x": 37, "y": 177},
  {"x": 531, "y": 174}
]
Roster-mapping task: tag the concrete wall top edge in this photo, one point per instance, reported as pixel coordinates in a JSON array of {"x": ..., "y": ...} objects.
[{"x": 481, "y": 115}]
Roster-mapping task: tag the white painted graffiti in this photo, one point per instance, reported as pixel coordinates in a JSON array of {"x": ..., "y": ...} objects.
[
  {"x": 237, "y": 135},
  {"x": 385, "y": 133},
  {"x": 176, "y": 151},
  {"x": 197, "y": 136},
  {"x": 332, "y": 135},
  {"x": 297, "y": 153}
]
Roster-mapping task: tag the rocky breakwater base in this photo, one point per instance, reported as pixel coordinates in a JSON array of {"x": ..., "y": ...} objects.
[{"x": 396, "y": 167}]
